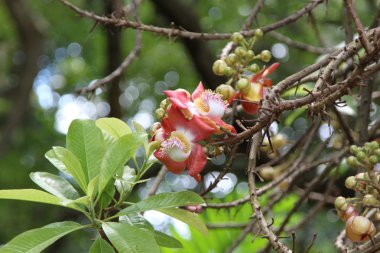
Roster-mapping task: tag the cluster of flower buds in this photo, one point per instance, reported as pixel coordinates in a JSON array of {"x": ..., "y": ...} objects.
[
  {"x": 366, "y": 184},
  {"x": 358, "y": 228},
  {"x": 187, "y": 121},
  {"x": 247, "y": 81}
]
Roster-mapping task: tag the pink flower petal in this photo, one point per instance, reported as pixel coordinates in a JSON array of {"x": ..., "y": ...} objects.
[
  {"x": 198, "y": 91},
  {"x": 196, "y": 162}
]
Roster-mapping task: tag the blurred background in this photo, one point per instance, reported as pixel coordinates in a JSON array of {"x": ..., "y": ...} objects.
[{"x": 47, "y": 53}]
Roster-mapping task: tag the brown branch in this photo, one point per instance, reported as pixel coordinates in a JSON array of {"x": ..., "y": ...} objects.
[
  {"x": 273, "y": 239},
  {"x": 359, "y": 26},
  {"x": 172, "y": 32},
  {"x": 157, "y": 181},
  {"x": 346, "y": 129}
]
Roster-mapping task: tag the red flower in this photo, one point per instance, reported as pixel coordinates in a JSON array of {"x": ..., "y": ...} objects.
[
  {"x": 252, "y": 95},
  {"x": 206, "y": 105},
  {"x": 179, "y": 139}
]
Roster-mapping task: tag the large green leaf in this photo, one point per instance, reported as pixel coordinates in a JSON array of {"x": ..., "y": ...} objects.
[
  {"x": 136, "y": 219},
  {"x": 55, "y": 185},
  {"x": 164, "y": 200},
  {"x": 130, "y": 239},
  {"x": 117, "y": 155},
  {"x": 35, "y": 240},
  {"x": 187, "y": 217},
  {"x": 34, "y": 196},
  {"x": 72, "y": 164},
  {"x": 101, "y": 246},
  {"x": 166, "y": 241},
  {"x": 113, "y": 127},
  {"x": 140, "y": 129},
  {"x": 86, "y": 142},
  {"x": 52, "y": 157}
]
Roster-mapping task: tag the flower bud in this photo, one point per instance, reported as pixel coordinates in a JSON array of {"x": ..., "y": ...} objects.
[
  {"x": 240, "y": 51},
  {"x": 267, "y": 173},
  {"x": 242, "y": 84},
  {"x": 250, "y": 55},
  {"x": 370, "y": 200},
  {"x": 374, "y": 145},
  {"x": 359, "y": 229},
  {"x": 377, "y": 216},
  {"x": 155, "y": 127},
  {"x": 228, "y": 71},
  {"x": 354, "y": 149},
  {"x": 259, "y": 33},
  {"x": 254, "y": 68},
  {"x": 341, "y": 204},
  {"x": 231, "y": 59},
  {"x": 360, "y": 184},
  {"x": 373, "y": 159},
  {"x": 362, "y": 157},
  {"x": 237, "y": 37},
  {"x": 219, "y": 67},
  {"x": 352, "y": 161},
  {"x": 350, "y": 182},
  {"x": 160, "y": 113},
  {"x": 377, "y": 152},
  {"x": 226, "y": 91},
  {"x": 279, "y": 140},
  {"x": 265, "y": 56},
  {"x": 164, "y": 103}
]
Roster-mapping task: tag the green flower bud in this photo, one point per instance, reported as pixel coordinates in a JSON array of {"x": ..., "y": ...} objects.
[
  {"x": 242, "y": 84},
  {"x": 240, "y": 51},
  {"x": 350, "y": 182},
  {"x": 373, "y": 159},
  {"x": 250, "y": 55},
  {"x": 362, "y": 157},
  {"x": 219, "y": 67},
  {"x": 340, "y": 203},
  {"x": 352, "y": 161},
  {"x": 265, "y": 56},
  {"x": 237, "y": 38},
  {"x": 228, "y": 71},
  {"x": 377, "y": 152},
  {"x": 254, "y": 68},
  {"x": 354, "y": 149},
  {"x": 370, "y": 200},
  {"x": 259, "y": 33},
  {"x": 374, "y": 145},
  {"x": 160, "y": 113},
  {"x": 164, "y": 103},
  {"x": 226, "y": 91},
  {"x": 231, "y": 59}
]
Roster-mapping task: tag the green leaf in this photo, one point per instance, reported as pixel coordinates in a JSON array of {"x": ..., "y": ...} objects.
[
  {"x": 130, "y": 239},
  {"x": 117, "y": 155},
  {"x": 34, "y": 196},
  {"x": 136, "y": 219},
  {"x": 107, "y": 195},
  {"x": 52, "y": 157},
  {"x": 164, "y": 200},
  {"x": 140, "y": 129},
  {"x": 55, "y": 185},
  {"x": 166, "y": 241},
  {"x": 101, "y": 246},
  {"x": 36, "y": 240},
  {"x": 72, "y": 164},
  {"x": 113, "y": 127},
  {"x": 187, "y": 217},
  {"x": 86, "y": 142}
]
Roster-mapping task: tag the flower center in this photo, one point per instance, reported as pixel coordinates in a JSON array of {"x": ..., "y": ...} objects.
[
  {"x": 211, "y": 104},
  {"x": 177, "y": 146}
]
